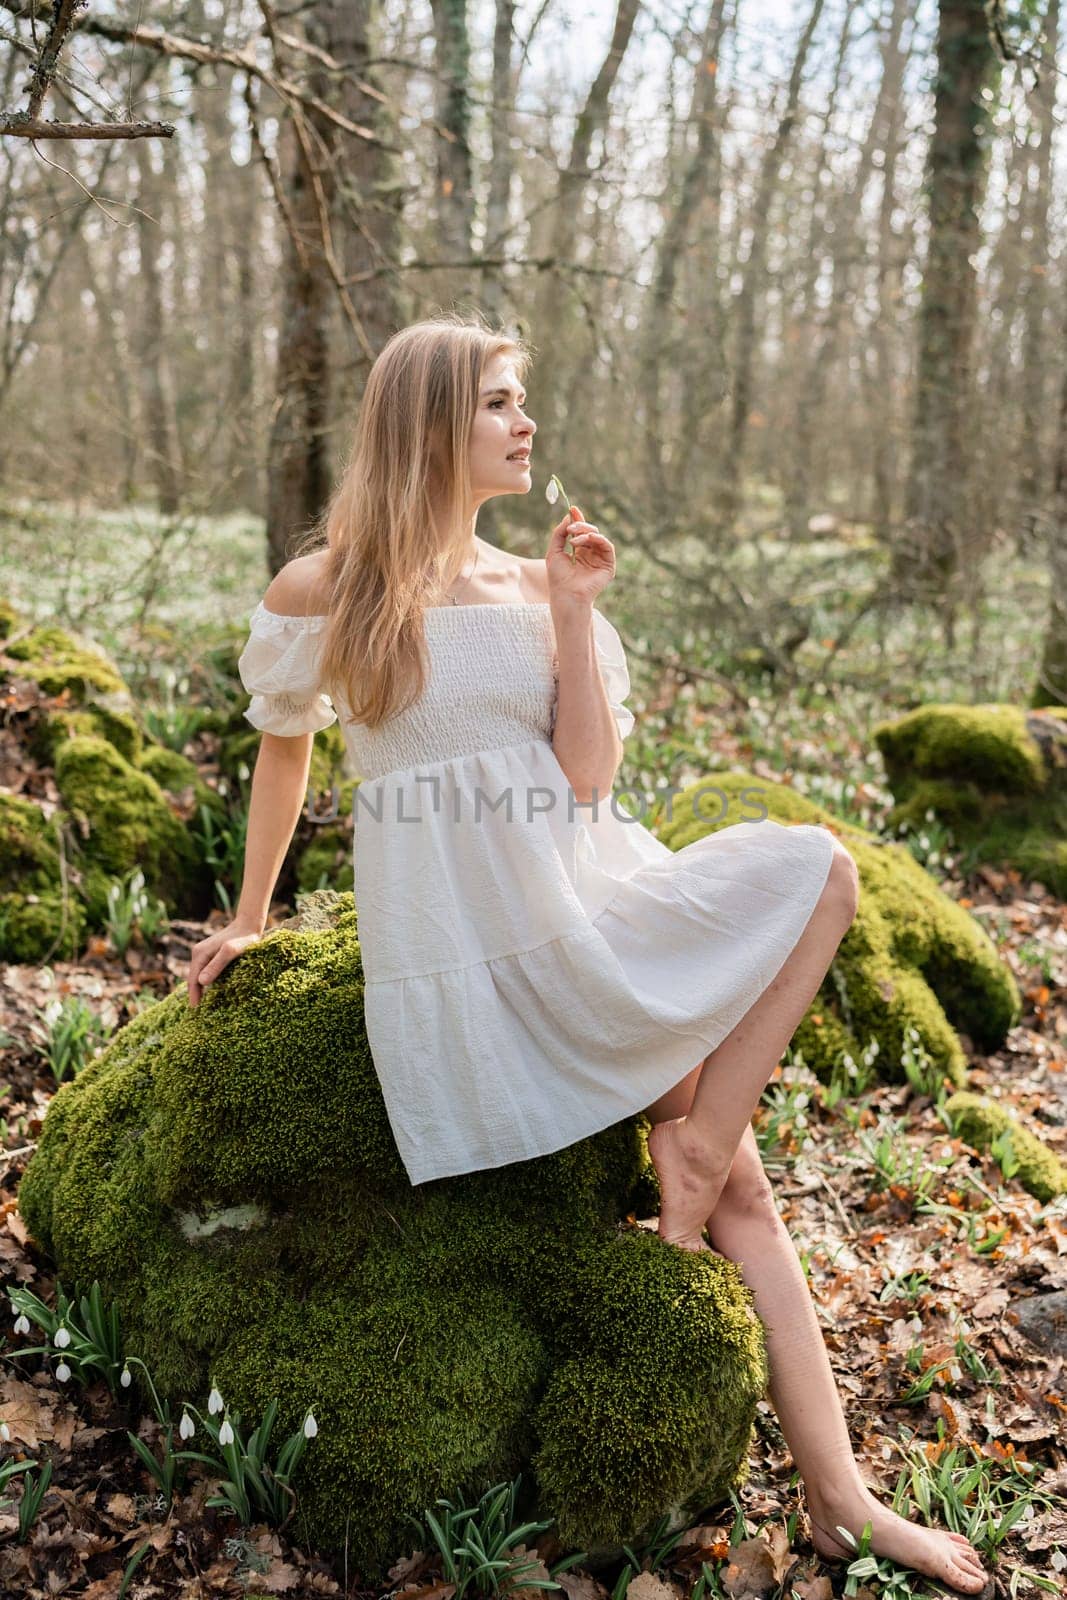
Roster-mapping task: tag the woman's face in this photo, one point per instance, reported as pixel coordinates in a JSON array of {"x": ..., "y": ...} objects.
[{"x": 502, "y": 435}]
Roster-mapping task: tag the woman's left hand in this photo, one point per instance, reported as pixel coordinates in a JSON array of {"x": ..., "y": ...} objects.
[{"x": 592, "y": 568}]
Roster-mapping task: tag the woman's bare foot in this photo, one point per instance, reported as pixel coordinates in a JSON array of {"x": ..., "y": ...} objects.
[
  {"x": 689, "y": 1181},
  {"x": 933, "y": 1551}
]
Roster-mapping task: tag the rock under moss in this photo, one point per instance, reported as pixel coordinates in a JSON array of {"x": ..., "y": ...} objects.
[
  {"x": 912, "y": 959},
  {"x": 981, "y": 1121},
  {"x": 73, "y": 714},
  {"x": 230, "y": 1177},
  {"x": 127, "y": 823},
  {"x": 995, "y": 775}
]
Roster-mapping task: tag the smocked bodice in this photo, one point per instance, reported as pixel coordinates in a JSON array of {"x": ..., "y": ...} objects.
[{"x": 491, "y": 684}]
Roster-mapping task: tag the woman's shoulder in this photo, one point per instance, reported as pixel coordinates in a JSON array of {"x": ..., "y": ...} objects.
[
  {"x": 533, "y": 577},
  {"x": 299, "y": 589}
]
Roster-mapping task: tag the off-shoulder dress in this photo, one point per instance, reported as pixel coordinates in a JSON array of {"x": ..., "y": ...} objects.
[{"x": 534, "y": 972}]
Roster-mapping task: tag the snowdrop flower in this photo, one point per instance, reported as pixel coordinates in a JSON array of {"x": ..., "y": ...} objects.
[
  {"x": 311, "y": 1427},
  {"x": 62, "y": 1372},
  {"x": 226, "y": 1433},
  {"x": 5, "y": 1433},
  {"x": 22, "y": 1324},
  {"x": 214, "y": 1402},
  {"x": 126, "y": 1377},
  {"x": 186, "y": 1427},
  {"x": 61, "y": 1338}
]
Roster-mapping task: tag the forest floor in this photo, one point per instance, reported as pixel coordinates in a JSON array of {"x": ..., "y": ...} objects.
[{"x": 918, "y": 1253}]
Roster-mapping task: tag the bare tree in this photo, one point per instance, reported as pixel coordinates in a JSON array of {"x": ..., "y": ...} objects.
[{"x": 944, "y": 532}]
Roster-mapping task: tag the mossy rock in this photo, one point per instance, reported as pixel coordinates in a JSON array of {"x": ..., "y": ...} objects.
[
  {"x": 176, "y": 774},
  {"x": 53, "y": 658},
  {"x": 37, "y": 919},
  {"x": 912, "y": 958},
  {"x": 229, "y": 1175},
  {"x": 995, "y": 775},
  {"x": 126, "y": 822},
  {"x": 981, "y": 1121},
  {"x": 115, "y": 816}
]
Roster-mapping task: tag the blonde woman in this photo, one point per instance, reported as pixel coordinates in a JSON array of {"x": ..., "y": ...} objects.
[{"x": 538, "y": 965}]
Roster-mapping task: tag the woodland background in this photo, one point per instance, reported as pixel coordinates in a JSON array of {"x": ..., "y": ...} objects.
[
  {"x": 788, "y": 267},
  {"x": 796, "y": 279}
]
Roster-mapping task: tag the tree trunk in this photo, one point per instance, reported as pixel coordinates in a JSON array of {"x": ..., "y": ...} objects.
[
  {"x": 942, "y": 542},
  {"x": 660, "y": 341},
  {"x": 752, "y": 283},
  {"x": 501, "y": 160},
  {"x": 159, "y": 422},
  {"x": 452, "y": 111},
  {"x": 343, "y": 180}
]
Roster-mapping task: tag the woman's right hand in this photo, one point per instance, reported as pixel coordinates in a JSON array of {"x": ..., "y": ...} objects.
[{"x": 214, "y": 954}]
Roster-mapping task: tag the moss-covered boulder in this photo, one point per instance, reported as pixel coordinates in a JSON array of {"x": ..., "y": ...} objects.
[
  {"x": 995, "y": 775},
  {"x": 982, "y": 1122},
  {"x": 229, "y": 1175},
  {"x": 72, "y": 728},
  {"x": 912, "y": 959}
]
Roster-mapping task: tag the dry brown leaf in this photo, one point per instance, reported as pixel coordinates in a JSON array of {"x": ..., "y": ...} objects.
[
  {"x": 581, "y": 1586},
  {"x": 279, "y": 1577},
  {"x": 819, "y": 1588},
  {"x": 647, "y": 1586}
]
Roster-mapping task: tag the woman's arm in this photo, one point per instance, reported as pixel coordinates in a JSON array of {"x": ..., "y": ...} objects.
[
  {"x": 279, "y": 791},
  {"x": 585, "y": 739}
]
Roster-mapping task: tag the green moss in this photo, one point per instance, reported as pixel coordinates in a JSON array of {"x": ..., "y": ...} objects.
[
  {"x": 93, "y": 721},
  {"x": 446, "y": 1337},
  {"x": 10, "y": 620},
  {"x": 996, "y": 776},
  {"x": 176, "y": 773},
  {"x": 38, "y": 926},
  {"x": 912, "y": 957},
  {"x": 981, "y": 1121},
  {"x": 985, "y": 744},
  {"x": 127, "y": 822},
  {"x": 52, "y": 658}
]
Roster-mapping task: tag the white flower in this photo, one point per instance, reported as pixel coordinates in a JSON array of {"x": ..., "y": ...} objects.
[
  {"x": 186, "y": 1427},
  {"x": 126, "y": 1377},
  {"x": 226, "y": 1433},
  {"x": 5, "y": 1432},
  {"x": 61, "y": 1338},
  {"x": 62, "y": 1372},
  {"x": 214, "y": 1402},
  {"x": 311, "y": 1427},
  {"x": 22, "y": 1324},
  {"x": 551, "y": 492}
]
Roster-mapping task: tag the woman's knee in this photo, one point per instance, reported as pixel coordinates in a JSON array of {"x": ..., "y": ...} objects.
[{"x": 842, "y": 890}]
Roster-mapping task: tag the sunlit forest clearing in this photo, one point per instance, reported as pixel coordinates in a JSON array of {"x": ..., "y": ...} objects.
[{"x": 794, "y": 279}]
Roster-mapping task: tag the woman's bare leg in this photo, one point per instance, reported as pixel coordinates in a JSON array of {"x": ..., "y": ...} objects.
[
  {"x": 693, "y": 1153},
  {"x": 745, "y": 1227}
]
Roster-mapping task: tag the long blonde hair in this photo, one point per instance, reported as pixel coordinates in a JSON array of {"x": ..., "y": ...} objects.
[{"x": 408, "y": 461}]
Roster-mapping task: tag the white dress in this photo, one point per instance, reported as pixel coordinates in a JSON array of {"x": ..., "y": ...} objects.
[{"x": 533, "y": 973}]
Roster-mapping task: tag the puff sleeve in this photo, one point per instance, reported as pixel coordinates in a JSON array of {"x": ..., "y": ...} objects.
[
  {"x": 279, "y": 668},
  {"x": 611, "y": 659}
]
